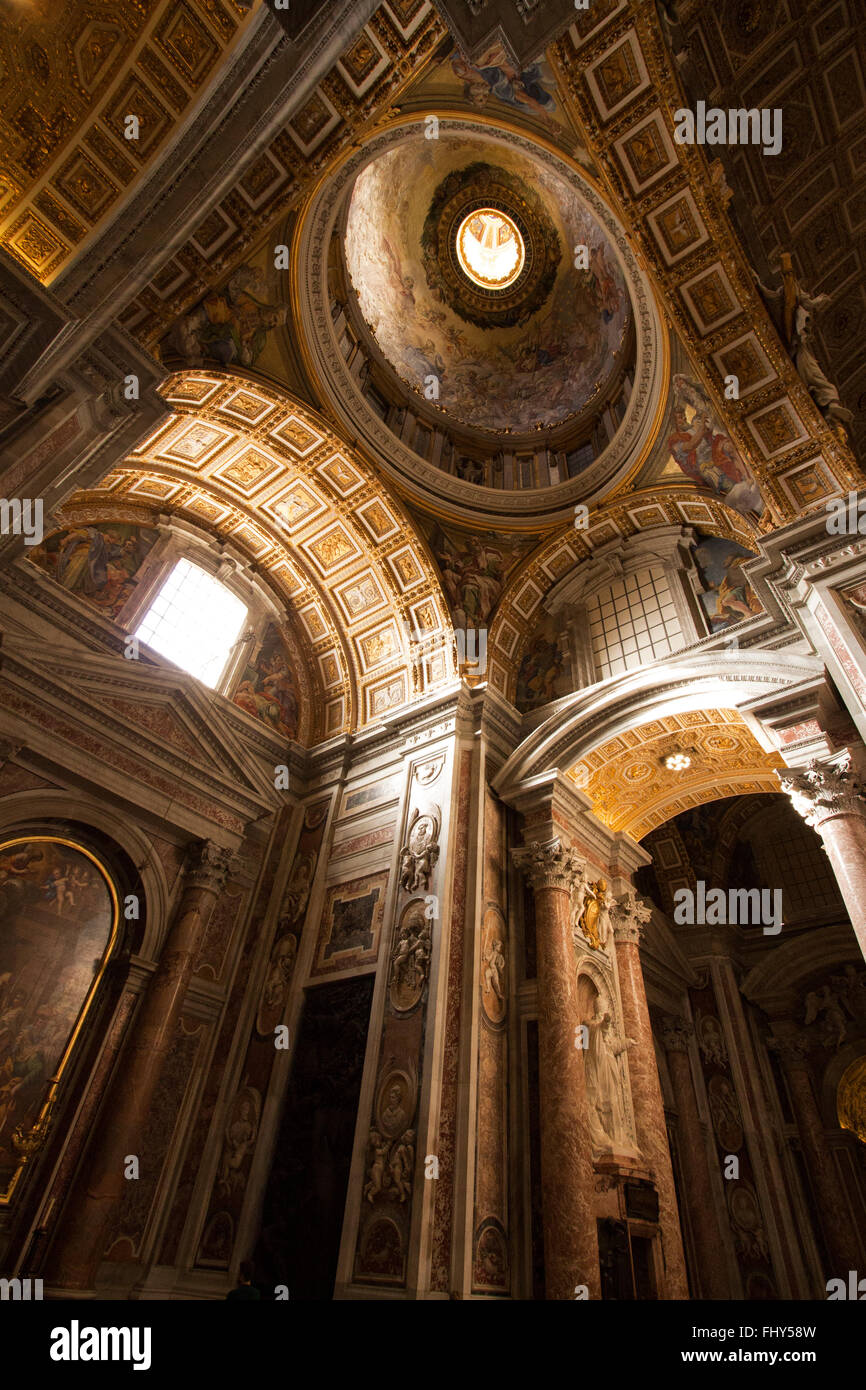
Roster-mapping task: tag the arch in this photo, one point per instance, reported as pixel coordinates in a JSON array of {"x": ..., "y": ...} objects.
[
  {"x": 21, "y": 808},
  {"x": 579, "y": 724},
  {"x": 623, "y": 516},
  {"x": 267, "y": 476}
]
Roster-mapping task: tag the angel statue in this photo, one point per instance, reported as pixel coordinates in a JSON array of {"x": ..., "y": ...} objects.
[{"x": 794, "y": 309}]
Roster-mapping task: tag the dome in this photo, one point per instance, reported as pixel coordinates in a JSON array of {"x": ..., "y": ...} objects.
[{"x": 486, "y": 283}]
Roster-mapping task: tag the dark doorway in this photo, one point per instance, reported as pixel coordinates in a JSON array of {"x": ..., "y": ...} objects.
[{"x": 302, "y": 1219}]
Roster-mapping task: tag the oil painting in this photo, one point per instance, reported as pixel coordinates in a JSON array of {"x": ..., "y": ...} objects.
[{"x": 58, "y": 915}]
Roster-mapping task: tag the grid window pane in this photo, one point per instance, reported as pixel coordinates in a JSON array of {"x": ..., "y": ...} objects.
[{"x": 194, "y": 621}]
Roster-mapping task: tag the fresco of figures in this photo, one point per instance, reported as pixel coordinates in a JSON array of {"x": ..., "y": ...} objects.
[
  {"x": 56, "y": 922},
  {"x": 700, "y": 447},
  {"x": 231, "y": 325},
  {"x": 267, "y": 688},
  {"x": 532, "y": 373},
  {"x": 99, "y": 562},
  {"x": 474, "y": 571},
  {"x": 728, "y": 597},
  {"x": 528, "y": 90}
]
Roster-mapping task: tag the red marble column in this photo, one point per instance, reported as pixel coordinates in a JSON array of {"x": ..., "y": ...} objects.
[
  {"x": 829, "y": 797},
  {"x": 80, "y": 1244},
  {"x": 843, "y": 1248},
  {"x": 646, "y": 1094},
  {"x": 698, "y": 1195},
  {"x": 567, "y": 1179}
]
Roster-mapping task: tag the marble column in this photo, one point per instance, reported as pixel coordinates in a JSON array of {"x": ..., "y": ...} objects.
[
  {"x": 698, "y": 1190},
  {"x": 842, "y": 1247},
  {"x": 829, "y": 797},
  {"x": 629, "y": 916},
  {"x": 567, "y": 1179},
  {"x": 80, "y": 1244}
]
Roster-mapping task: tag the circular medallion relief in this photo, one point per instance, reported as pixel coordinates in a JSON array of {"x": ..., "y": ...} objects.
[{"x": 490, "y": 249}]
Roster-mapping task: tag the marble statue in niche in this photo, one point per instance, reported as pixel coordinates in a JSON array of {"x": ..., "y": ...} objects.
[
  {"x": 420, "y": 854},
  {"x": 607, "y": 1117}
]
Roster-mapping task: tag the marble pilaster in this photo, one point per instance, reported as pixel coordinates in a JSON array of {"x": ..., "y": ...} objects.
[
  {"x": 570, "y": 1235},
  {"x": 699, "y": 1195},
  {"x": 76, "y": 1255},
  {"x": 830, "y": 798},
  {"x": 793, "y": 1051},
  {"x": 629, "y": 917}
]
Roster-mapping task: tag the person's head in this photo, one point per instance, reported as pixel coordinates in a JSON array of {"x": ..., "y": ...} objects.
[{"x": 245, "y": 1272}]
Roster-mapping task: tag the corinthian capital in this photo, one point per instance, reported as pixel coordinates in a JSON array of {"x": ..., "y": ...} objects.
[
  {"x": 551, "y": 865},
  {"x": 824, "y": 790},
  {"x": 630, "y": 916},
  {"x": 208, "y": 866}
]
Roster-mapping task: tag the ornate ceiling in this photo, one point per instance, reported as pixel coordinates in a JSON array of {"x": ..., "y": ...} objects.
[
  {"x": 69, "y": 76},
  {"x": 633, "y": 791},
  {"x": 265, "y": 475},
  {"x": 808, "y": 60},
  {"x": 513, "y": 360}
]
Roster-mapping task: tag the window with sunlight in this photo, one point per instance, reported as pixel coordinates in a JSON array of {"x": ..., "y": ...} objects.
[{"x": 194, "y": 621}]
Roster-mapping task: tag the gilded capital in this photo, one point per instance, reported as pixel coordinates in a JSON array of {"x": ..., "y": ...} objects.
[
  {"x": 550, "y": 865},
  {"x": 823, "y": 790},
  {"x": 208, "y": 866}
]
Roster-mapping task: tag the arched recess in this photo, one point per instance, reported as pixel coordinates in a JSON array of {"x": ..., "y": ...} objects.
[
  {"x": 264, "y": 475},
  {"x": 641, "y": 717},
  {"x": 522, "y": 607}
]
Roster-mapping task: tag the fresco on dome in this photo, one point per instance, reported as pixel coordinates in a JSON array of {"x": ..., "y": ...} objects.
[
  {"x": 230, "y": 325},
  {"x": 267, "y": 688},
  {"x": 519, "y": 377},
  {"x": 728, "y": 596},
  {"x": 58, "y": 915},
  {"x": 99, "y": 562},
  {"x": 474, "y": 570},
  {"x": 705, "y": 453}
]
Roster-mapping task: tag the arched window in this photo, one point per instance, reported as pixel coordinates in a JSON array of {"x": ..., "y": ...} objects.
[{"x": 194, "y": 621}]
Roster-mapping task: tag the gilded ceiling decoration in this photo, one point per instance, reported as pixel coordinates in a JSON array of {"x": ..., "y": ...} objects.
[
  {"x": 633, "y": 789},
  {"x": 531, "y": 355},
  {"x": 621, "y": 83},
  {"x": 263, "y": 473},
  {"x": 810, "y": 199},
  {"x": 377, "y": 65},
  {"x": 70, "y": 74}
]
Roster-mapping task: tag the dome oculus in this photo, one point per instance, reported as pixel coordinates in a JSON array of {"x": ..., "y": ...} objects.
[{"x": 490, "y": 249}]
